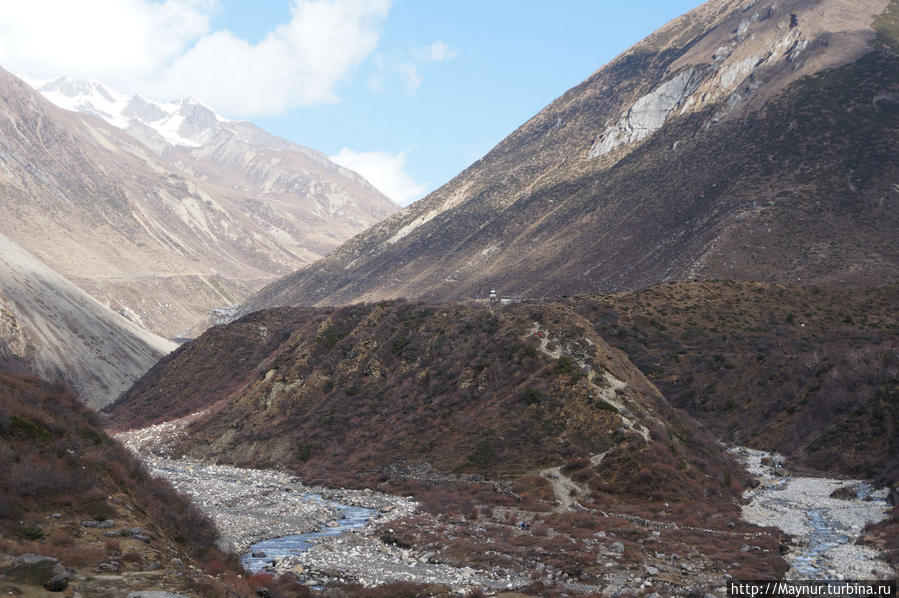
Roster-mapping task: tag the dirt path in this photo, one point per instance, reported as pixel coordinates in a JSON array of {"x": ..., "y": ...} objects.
[
  {"x": 566, "y": 489},
  {"x": 607, "y": 392}
]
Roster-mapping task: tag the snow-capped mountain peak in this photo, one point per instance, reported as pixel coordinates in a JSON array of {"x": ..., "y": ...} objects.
[{"x": 187, "y": 122}]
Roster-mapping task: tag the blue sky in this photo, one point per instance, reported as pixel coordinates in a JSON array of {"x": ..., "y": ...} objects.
[
  {"x": 512, "y": 59},
  {"x": 408, "y": 92}
]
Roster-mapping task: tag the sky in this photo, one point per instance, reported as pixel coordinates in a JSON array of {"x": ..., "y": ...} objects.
[{"x": 406, "y": 92}]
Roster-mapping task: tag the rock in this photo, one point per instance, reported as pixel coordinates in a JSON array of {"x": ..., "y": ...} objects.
[
  {"x": 106, "y": 523},
  {"x": 142, "y": 538},
  {"x": 333, "y": 524},
  {"x": 610, "y": 590},
  {"x": 177, "y": 562},
  {"x": 154, "y": 594},
  {"x": 258, "y": 554},
  {"x": 38, "y": 570},
  {"x": 650, "y": 570},
  {"x": 844, "y": 493},
  {"x": 60, "y": 579},
  {"x": 113, "y": 534},
  {"x": 617, "y": 547},
  {"x": 90, "y": 523},
  {"x": 110, "y": 566},
  {"x": 56, "y": 515},
  {"x": 648, "y": 113}
]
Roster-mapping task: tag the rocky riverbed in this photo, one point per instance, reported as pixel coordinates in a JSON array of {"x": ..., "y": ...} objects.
[
  {"x": 824, "y": 528},
  {"x": 249, "y": 505}
]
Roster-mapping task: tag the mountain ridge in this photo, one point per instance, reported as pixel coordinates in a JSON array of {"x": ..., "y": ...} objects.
[
  {"x": 159, "y": 245},
  {"x": 735, "y": 150}
]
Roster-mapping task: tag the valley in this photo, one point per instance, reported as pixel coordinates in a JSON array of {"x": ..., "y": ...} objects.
[
  {"x": 316, "y": 543},
  {"x": 646, "y": 345}
]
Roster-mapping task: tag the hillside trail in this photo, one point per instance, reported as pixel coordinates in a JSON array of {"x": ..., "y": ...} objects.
[
  {"x": 566, "y": 489},
  {"x": 607, "y": 393}
]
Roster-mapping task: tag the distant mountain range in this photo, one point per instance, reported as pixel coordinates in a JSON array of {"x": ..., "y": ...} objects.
[
  {"x": 752, "y": 140},
  {"x": 166, "y": 211}
]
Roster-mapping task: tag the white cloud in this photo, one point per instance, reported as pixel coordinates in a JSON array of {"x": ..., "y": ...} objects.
[
  {"x": 166, "y": 50},
  {"x": 439, "y": 51},
  {"x": 385, "y": 171},
  {"x": 411, "y": 75},
  {"x": 407, "y": 66}
]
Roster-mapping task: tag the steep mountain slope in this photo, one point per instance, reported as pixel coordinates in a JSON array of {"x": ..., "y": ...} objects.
[
  {"x": 294, "y": 193},
  {"x": 53, "y": 329},
  {"x": 746, "y": 140},
  {"x": 128, "y": 226}
]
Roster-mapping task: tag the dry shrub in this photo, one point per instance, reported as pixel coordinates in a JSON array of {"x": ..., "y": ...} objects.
[
  {"x": 260, "y": 580},
  {"x": 215, "y": 567},
  {"x": 399, "y": 589},
  {"x": 77, "y": 556},
  {"x": 132, "y": 557},
  {"x": 60, "y": 537}
]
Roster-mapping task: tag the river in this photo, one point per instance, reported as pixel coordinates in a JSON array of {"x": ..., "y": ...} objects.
[
  {"x": 273, "y": 550},
  {"x": 825, "y": 529}
]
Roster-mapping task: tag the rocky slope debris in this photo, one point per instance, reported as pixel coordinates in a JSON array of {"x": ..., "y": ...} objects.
[{"x": 51, "y": 328}]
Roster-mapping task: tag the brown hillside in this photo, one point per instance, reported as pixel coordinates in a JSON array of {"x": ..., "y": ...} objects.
[
  {"x": 59, "y": 470},
  {"x": 486, "y": 415},
  {"x": 809, "y": 371},
  {"x": 463, "y": 388}
]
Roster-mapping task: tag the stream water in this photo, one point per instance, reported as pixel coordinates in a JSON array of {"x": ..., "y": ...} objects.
[
  {"x": 275, "y": 549},
  {"x": 825, "y": 529}
]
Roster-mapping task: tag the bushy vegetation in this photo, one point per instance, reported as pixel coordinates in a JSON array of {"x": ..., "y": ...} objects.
[
  {"x": 336, "y": 394},
  {"x": 55, "y": 457},
  {"x": 809, "y": 371}
]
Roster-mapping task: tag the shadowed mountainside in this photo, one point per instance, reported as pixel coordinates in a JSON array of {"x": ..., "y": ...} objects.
[{"x": 744, "y": 140}]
